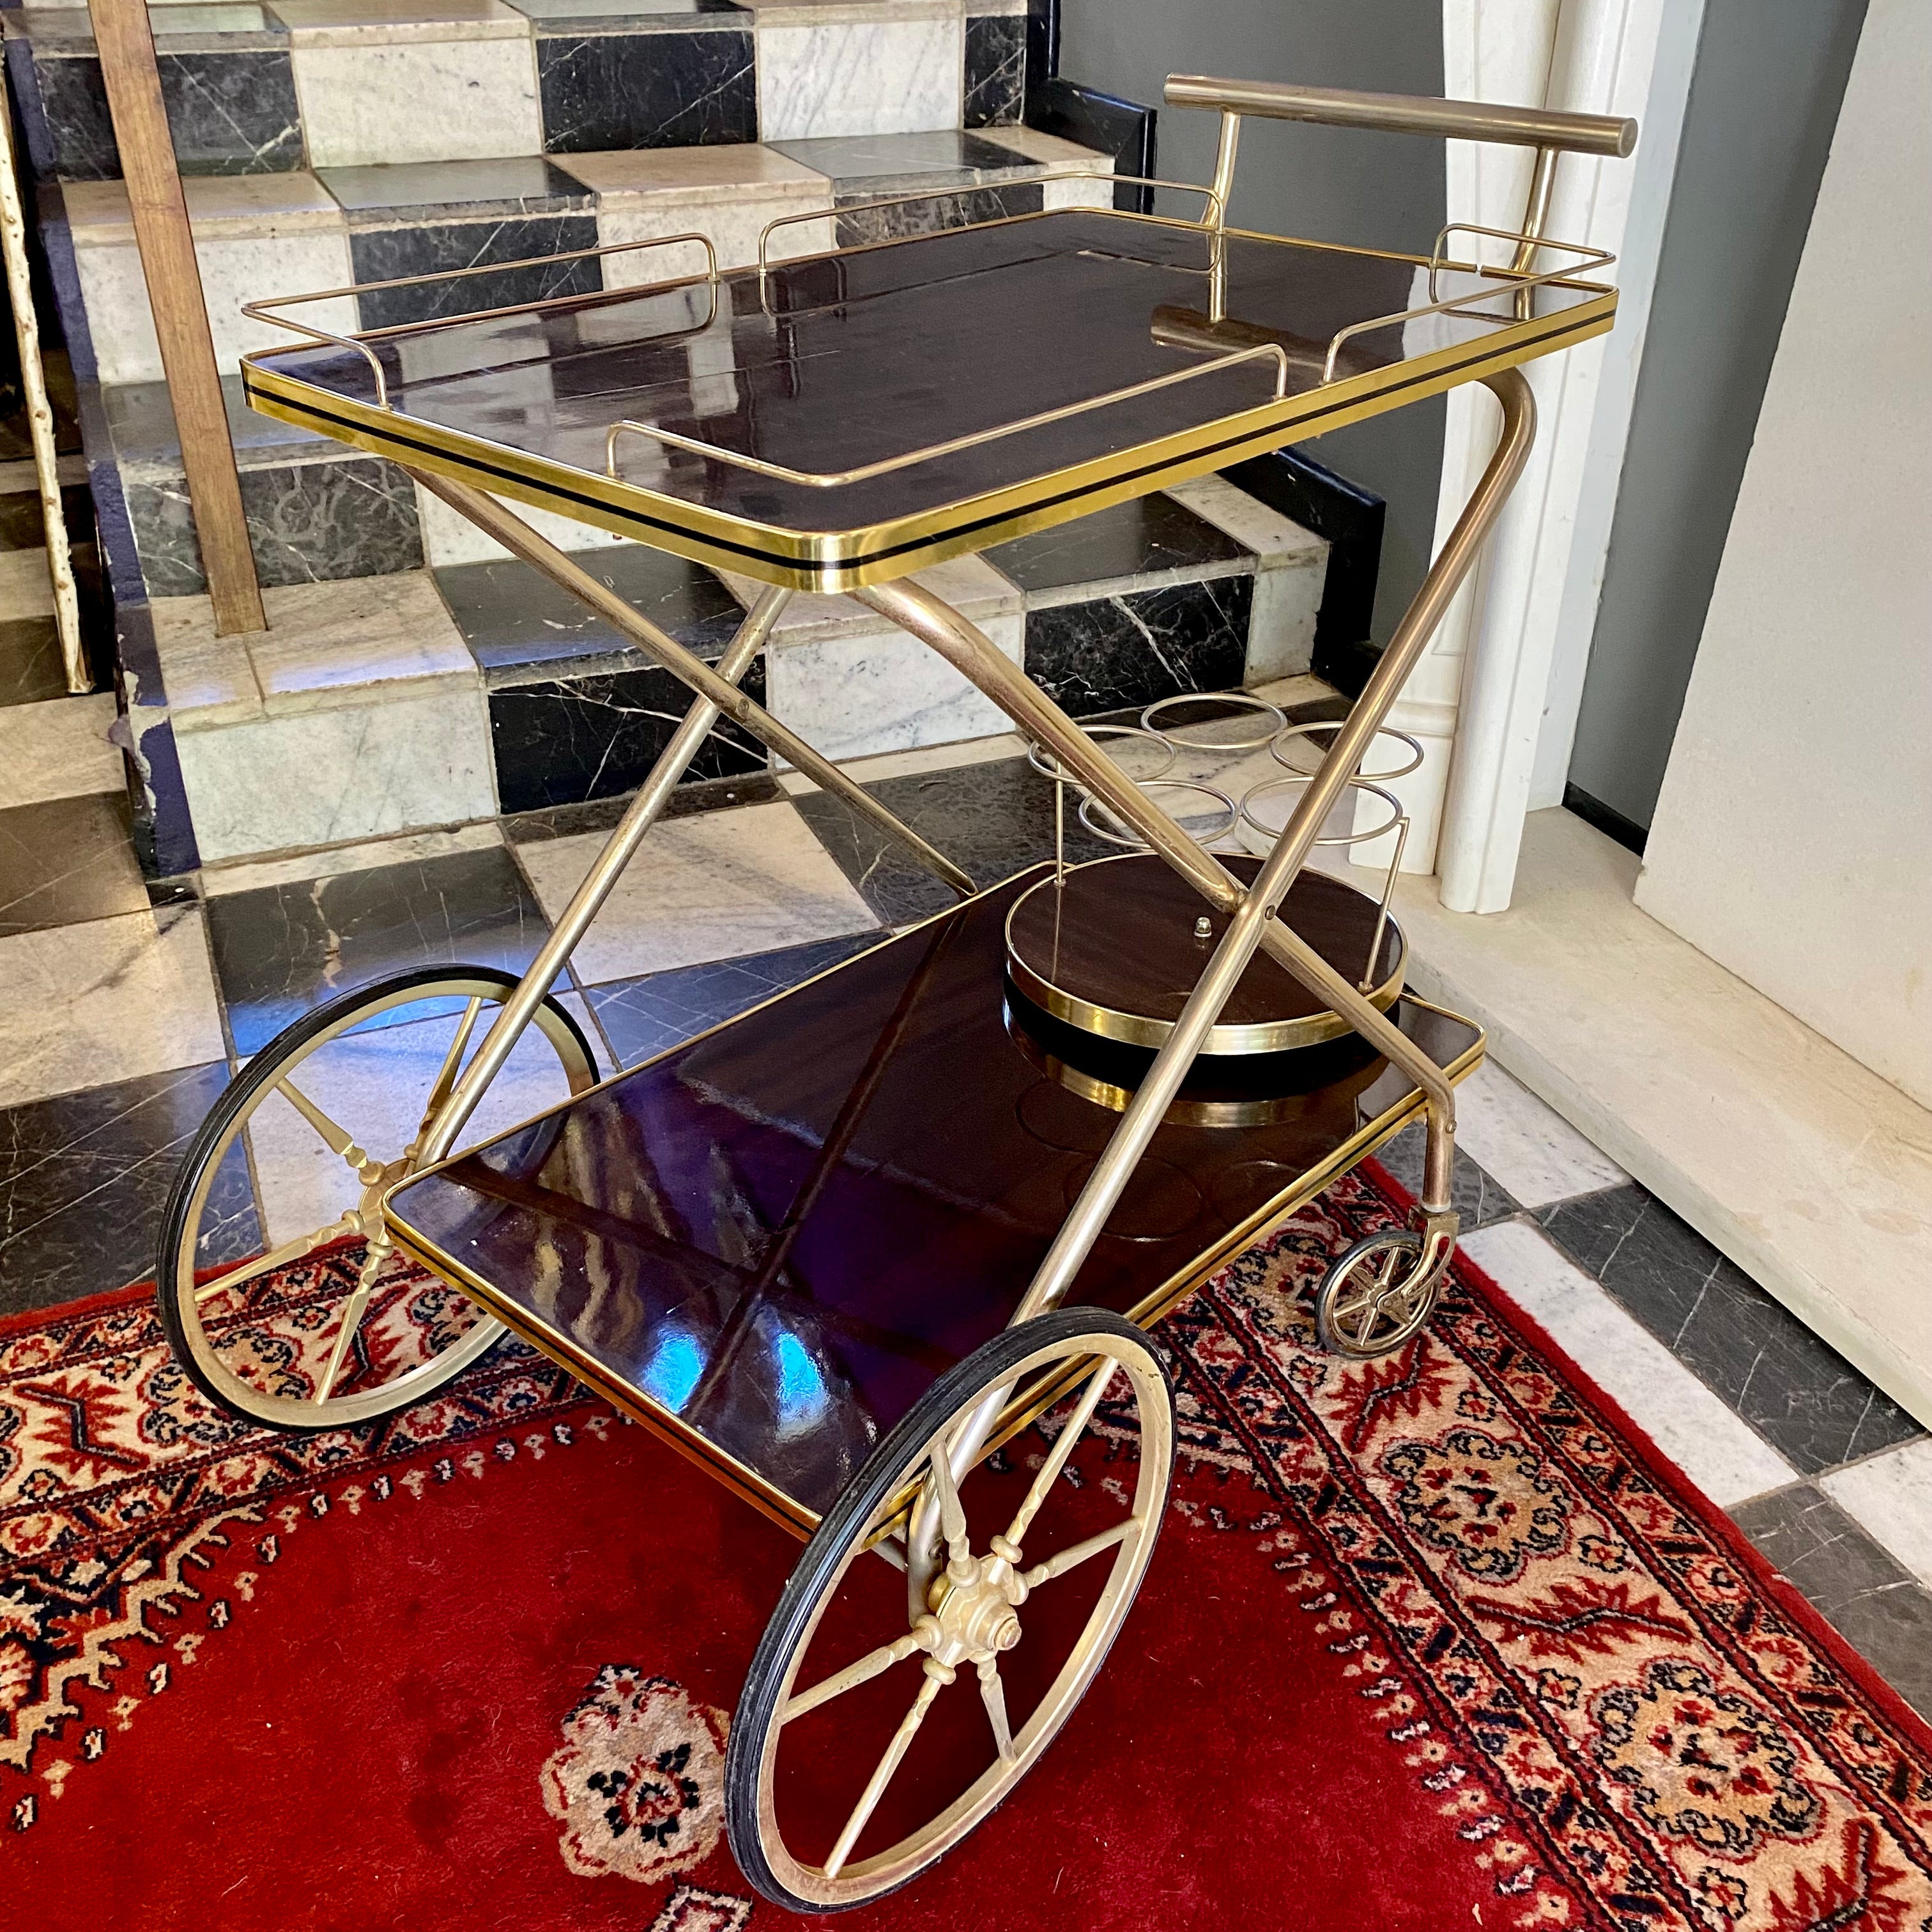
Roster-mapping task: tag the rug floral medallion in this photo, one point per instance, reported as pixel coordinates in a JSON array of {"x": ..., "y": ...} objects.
[{"x": 1482, "y": 1658}]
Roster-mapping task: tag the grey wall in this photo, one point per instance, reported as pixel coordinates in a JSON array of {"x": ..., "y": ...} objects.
[
  {"x": 1331, "y": 185},
  {"x": 1764, "y": 99}
]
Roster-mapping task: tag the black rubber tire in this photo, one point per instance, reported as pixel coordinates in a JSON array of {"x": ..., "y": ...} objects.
[
  {"x": 261, "y": 1071},
  {"x": 957, "y": 1391}
]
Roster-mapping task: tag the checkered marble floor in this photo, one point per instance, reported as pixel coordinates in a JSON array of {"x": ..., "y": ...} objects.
[{"x": 125, "y": 1023}]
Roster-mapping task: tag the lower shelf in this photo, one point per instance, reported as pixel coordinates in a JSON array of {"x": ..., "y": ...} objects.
[{"x": 768, "y": 1242}]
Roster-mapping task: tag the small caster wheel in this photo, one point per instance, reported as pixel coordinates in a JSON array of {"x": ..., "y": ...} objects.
[
  {"x": 836, "y": 1794},
  {"x": 1379, "y": 1294},
  {"x": 315, "y": 1129}
]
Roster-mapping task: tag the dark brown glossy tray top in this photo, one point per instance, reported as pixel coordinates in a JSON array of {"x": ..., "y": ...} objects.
[
  {"x": 838, "y": 361},
  {"x": 769, "y": 1242}
]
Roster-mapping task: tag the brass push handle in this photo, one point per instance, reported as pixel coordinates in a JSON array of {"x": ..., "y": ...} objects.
[{"x": 1611, "y": 134}]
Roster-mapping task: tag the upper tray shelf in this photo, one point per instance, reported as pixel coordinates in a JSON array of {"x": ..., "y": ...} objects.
[{"x": 846, "y": 418}]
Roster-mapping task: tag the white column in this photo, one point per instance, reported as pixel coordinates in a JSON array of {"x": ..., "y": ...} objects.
[{"x": 1481, "y": 687}]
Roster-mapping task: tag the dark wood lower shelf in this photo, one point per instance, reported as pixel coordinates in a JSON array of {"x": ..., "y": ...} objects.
[{"x": 767, "y": 1242}]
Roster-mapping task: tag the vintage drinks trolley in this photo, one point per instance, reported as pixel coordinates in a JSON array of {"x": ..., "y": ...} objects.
[{"x": 844, "y": 1249}]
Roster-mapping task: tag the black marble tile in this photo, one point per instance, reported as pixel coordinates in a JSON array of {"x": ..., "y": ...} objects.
[
  {"x": 857, "y": 223},
  {"x": 83, "y": 1179},
  {"x": 519, "y": 625},
  {"x": 996, "y": 46},
  {"x": 993, "y": 820},
  {"x": 1479, "y": 1198},
  {"x": 495, "y": 188},
  {"x": 606, "y": 90},
  {"x": 1152, "y": 532},
  {"x": 308, "y": 523},
  {"x": 560, "y": 743},
  {"x": 381, "y": 254},
  {"x": 1791, "y": 1387},
  {"x": 643, "y": 1017},
  {"x": 31, "y": 665},
  {"x": 1142, "y": 645},
  {"x": 231, "y": 112},
  {"x": 281, "y": 951},
  {"x": 67, "y": 860},
  {"x": 1861, "y": 1589},
  {"x": 601, "y": 815}
]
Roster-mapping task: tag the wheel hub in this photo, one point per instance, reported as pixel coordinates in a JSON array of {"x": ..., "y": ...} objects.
[{"x": 974, "y": 1613}]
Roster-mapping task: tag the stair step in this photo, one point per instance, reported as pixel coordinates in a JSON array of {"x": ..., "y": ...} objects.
[
  {"x": 299, "y": 736},
  {"x": 319, "y": 511},
  {"x": 257, "y": 236},
  {"x": 342, "y": 83}
]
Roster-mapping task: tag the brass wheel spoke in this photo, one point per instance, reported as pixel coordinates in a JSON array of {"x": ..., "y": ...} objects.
[
  {"x": 336, "y": 1138},
  {"x": 446, "y": 1078},
  {"x": 952, "y": 1511},
  {"x": 993, "y": 1695},
  {"x": 353, "y": 1310},
  {"x": 1056, "y": 1461},
  {"x": 868, "y": 1667},
  {"x": 1075, "y": 1554},
  {"x": 289, "y": 1251},
  {"x": 936, "y": 1676}
]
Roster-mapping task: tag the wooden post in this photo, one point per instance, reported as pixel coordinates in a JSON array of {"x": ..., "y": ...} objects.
[{"x": 161, "y": 233}]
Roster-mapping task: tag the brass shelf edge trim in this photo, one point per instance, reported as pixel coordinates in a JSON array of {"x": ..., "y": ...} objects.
[{"x": 851, "y": 559}]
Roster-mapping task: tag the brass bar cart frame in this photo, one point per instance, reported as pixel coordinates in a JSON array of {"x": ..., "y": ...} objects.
[{"x": 961, "y": 1607}]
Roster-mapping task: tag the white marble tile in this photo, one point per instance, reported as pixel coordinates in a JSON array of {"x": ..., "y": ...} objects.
[
  {"x": 244, "y": 875},
  {"x": 732, "y": 219},
  {"x": 1530, "y": 1148},
  {"x": 859, "y": 77},
  {"x": 339, "y": 23},
  {"x": 108, "y": 1000},
  {"x": 1811, "y": 1172},
  {"x": 326, "y": 777},
  {"x": 350, "y": 641},
  {"x": 853, "y": 695},
  {"x": 26, "y": 590},
  {"x": 325, "y": 641},
  {"x": 728, "y": 193},
  {"x": 220, "y": 207},
  {"x": 376, "y": 1084},
  {"x": 232, "y": 271},
  {"x": 1281, "y": 621},
  {"x": 418, "y": 101},
  {"x": 58, "y": 748},
  {"x": 716, "y": 886},
  {"x": 209, "y": 680},
  {"x": 448, "y": 538},
  {"x": 1715, "y": 1447},
  {"x": 1891, "y": 1495},
  {"x": 904, "y": 764}
]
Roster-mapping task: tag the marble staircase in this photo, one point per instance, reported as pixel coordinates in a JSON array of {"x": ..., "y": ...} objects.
[{"x": 414, "y": 676}]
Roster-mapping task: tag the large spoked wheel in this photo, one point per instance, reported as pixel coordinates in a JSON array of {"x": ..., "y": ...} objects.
[
  {"x": 1379, "y": 1295},
  {"x": 844, "y": 1791},
  {"x": 320, "y": 1123}
]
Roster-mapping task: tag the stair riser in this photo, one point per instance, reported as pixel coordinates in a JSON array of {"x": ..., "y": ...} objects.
[{"x": 266, "y": 101}]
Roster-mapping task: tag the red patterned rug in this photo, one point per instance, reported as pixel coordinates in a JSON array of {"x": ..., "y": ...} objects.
[{"x": 1436, "y": 1641}]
